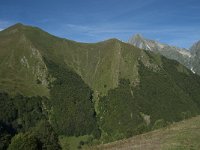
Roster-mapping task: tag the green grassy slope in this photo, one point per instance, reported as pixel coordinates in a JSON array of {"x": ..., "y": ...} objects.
[
  {"x": 100, "y": 65},
  {"x": 21, "y": 65},
  {"x": 183, "y": 135}
]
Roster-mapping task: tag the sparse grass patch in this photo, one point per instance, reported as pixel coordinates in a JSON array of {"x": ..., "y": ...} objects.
[{"x": 73, "y": 143}]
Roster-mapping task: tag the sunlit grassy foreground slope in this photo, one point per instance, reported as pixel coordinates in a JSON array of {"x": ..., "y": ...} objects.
[{"x": 184, "y": 135}]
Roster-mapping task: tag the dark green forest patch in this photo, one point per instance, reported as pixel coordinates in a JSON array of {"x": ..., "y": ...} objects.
[{"x": 161, "y": 97}]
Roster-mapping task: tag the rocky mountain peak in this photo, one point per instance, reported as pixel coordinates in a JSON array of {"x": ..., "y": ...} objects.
[
  {"x": 195, "y": 49},
  {"x": 179, "y": 54}
]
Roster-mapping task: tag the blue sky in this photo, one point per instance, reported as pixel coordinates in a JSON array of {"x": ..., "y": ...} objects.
[{"x": 175, "y": 22}]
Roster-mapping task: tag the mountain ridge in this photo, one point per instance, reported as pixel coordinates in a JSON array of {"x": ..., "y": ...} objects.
[
  {"x": 187, "y": 57},
  {"x": 107, "y": 90},
  {"x": 87, "y": 48}
]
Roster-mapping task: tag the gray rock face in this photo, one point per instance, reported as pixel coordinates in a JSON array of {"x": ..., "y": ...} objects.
[
  {"x": 181, "y": 55},
  {"x": 146, "y": 44},
  {"x": 195, "y": 51}
]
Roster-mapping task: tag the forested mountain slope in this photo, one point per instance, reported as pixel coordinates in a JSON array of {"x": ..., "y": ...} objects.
[{"x": 107, "y": 90}]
